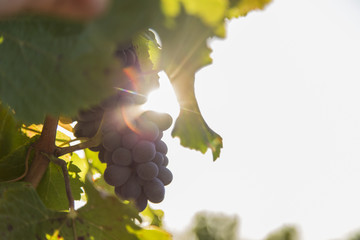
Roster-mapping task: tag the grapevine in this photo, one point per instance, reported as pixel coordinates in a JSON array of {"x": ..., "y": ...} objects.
[{"x": 89, "y": 71}]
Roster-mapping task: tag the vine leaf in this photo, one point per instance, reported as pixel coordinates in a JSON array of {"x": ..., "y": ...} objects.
[
  {"x": 53, "y": 66},
  {"x": 80, "y": 163},
  {"x": 11, "y": 136},
  {"x": 188, "y": 26},
  {"x": 184, "y": 52},
  {"x": 153, "y": 232},
  {"x": 243, "y": 7},
  {"x": 153, "y": 216},
  {"x": 24, "y": 216},
  {"x": 148, "y": 52},
  {"x": 13, "y": 164},
  {"x": 52, "y": 191},
  {"x": 105, "y": 217}
]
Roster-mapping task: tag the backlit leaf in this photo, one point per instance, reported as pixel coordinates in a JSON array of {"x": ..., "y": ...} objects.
[
  {"x": 184, "y": 52},
  {"x": 51, "y": 189},
  {"x": 11, "y": 136},
  {"x": 24, "y": 216},
  {"x": 52, "y": 66}
]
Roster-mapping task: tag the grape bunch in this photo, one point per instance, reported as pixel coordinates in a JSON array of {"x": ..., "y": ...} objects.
[
  {"x": 131, "y": 146},
  {"x": 136, "y": 159}
]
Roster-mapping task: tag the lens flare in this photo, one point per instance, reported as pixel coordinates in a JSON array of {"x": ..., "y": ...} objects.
[{"x": 128, "y": 119}]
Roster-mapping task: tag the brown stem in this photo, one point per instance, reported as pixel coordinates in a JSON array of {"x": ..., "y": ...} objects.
[
  {"x": 46, "y": 144},
  {"x": 65, "y": 150}
]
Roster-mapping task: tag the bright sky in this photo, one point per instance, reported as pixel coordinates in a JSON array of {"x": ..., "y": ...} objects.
[{"x": 284, "y": 93}]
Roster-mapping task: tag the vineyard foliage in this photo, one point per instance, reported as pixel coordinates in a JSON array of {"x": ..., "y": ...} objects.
[{"x": 54, "y": 67}]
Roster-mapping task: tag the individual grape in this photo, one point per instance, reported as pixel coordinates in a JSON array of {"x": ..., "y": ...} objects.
[
  {"x": 115, "y": 175},
  {"x": 101, "y": 155},
  {"x": 148, "y": 130},
  {"x": 147, "y": 171},
  {"x": 154, "y": 190},
  {"x": 90, "y": 115},
  {"x": 144, "y": 151},
  {"x": 122, "y": 157},
  {"x": 162, "y": 120},
  {"x": 108, "y": 157},
  {"x": 140, "y": 181},
  {"x": 129, "y": 140},
  {"x": 161, "y": 134},
  {"x": 158, "y": 159},
  {"x": 161, "y": 147},
  {"x": 130, "y": 190},
  {"x": 86, "y": 129},
  {"x": 111, "y": 141},
  {"x": 141, "y": 202},
  {"x": 166, "y": 161},
  {"x": 165, "y": 175}
]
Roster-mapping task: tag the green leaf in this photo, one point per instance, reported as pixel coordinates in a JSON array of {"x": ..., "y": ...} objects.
[
  {"x": 194, "y": 133},
  {"x": 153, "y": 216},
  {"x": 187, "y": 27},
  {"x": 148, "y": 52},
  {"x": 51, "y": 188},
  {"x": 52, "y": 66},
  {"x": 97, "y": 168},
  {"x": 105, "y": 217},
  {"x": 81, "y": 164},
  {"x": 13, "y": 165},
  {"x": 153, "y": 232},
  {"x": 284, "y": 233},
  {"x": 243, "y": 7},
  {"x": 11, "y": 136},
  {"x": 184, "y": 52},
  {"x": 23, "y": 215},
  {"x": 94, "y": 162}
]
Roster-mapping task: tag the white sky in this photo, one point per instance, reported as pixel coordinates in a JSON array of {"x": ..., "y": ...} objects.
[{"x": 284, "y": 93}]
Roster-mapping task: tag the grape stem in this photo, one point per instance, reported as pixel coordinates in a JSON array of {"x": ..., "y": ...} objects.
[{"x": 92, "y": 142}]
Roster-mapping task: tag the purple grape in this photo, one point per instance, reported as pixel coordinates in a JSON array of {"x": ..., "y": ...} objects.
[
  {"x": 158, "y": 159},
  {"x": 161, "y": 147},
  {"x": 148, "y": 130},
  {"x": 166, "y": 161},
  {"x": 90, "y": 115},
  {"x": 147, "y": 171},
  {"x": 122, "y": 157},
  {"x": 154, "y": 190},
  {"x": 144, "y": 151},
  {"x": 130, "y": 190},
  {"x": 111, "y": 141},
  {"x": 116, "y": 175},
  {"x": 141, "y": 202},
  {"x": 165, "y": 175},
  {"x": 101, "y": 155},
  {"x": 162, "y": 120},
  {"x": 86, "y": 129},
  {"x": 129, "y": 140}
]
